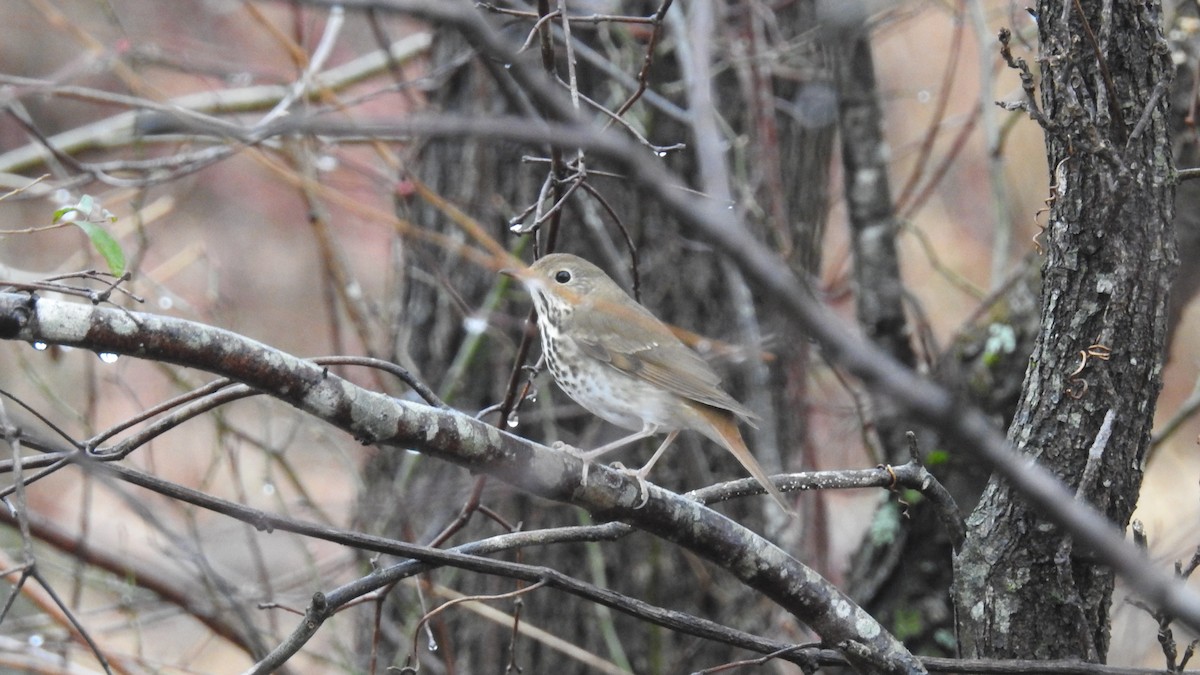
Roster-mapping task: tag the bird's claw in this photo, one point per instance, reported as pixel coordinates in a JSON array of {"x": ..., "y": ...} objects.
[
  {"x": 643, "y": 486},
  {"x": 578, "y": 454}
]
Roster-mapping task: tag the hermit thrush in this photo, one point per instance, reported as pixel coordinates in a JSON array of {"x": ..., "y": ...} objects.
[{"x": 613, "y": 357}]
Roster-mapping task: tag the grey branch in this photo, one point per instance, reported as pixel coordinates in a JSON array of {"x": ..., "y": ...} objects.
[{"x": 375, "y": 418}]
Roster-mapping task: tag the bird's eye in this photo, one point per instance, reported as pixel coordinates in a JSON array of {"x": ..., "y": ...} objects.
[{"x": 562, "y": 276}]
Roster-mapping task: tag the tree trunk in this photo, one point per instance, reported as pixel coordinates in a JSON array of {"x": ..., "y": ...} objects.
[{"x": 1021, "y": 589}]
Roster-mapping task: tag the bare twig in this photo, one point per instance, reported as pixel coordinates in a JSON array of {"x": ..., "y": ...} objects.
[{"x": 1030, "y": 104}]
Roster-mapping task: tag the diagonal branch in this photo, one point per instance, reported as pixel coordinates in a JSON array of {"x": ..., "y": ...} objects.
[
  {"x": 923, "y": 400},
  {"x": 375, "y": 418}
]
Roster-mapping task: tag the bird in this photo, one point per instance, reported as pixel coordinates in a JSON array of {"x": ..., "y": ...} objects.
[{"x": 612, "y": 356}]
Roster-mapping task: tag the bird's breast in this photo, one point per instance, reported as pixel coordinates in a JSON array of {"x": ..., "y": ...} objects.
[{"x": 608, "y": 393}]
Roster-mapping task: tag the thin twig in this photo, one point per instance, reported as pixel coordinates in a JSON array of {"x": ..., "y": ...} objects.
[{"x": 644, "y": 74}]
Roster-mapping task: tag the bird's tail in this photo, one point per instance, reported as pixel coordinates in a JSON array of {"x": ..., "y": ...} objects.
[{"x": 723, "y": 429}]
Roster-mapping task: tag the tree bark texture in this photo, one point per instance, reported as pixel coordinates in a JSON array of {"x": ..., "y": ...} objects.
[{"x": 1021, "y": 589}]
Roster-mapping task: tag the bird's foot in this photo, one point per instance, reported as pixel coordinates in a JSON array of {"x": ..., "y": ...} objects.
[
  {"x": 643, "y": 486},
  {"x": 577, "y": 453}
]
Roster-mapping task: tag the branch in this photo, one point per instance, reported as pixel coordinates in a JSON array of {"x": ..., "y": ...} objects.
[
  {"x": 924, "y": 401},
  {"x": 470, "y": 556},
  {"x": 140, "y": 574},
  {"x": 911, "y": 475},
  {"x": 194, "y": 108},
  {"x": 375, "y": 418}
]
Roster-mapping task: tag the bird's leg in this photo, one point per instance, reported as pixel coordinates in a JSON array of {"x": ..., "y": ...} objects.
[
  {"x": 640, "y": 474},
  {"x": 645, "y": 470},
  {"x": 588, "y": 456},
  {"x": 646, "y": 432}
]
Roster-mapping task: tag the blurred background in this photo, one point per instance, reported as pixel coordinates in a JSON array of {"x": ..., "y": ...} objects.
[{"x": 314, "y": 245}]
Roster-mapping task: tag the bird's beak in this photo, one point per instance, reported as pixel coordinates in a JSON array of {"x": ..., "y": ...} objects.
[{"x": 521, "y": 275}]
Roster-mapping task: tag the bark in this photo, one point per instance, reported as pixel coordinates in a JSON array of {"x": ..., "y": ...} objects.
[
  {"x": 904, "y": 580},
  {"x": 1021, "y": 589}
]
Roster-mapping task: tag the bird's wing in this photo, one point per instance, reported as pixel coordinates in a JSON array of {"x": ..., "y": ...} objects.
[{"x": 633, "y": 341}]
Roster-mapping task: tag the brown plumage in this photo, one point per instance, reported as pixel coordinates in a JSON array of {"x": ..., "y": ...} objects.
[{"x": 613, "y": 357}]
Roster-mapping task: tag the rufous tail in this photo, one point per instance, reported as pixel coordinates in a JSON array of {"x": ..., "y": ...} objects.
[{"x": 725, "y": 432}]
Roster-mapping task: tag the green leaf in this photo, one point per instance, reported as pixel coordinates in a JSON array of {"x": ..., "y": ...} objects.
[
  {"x": 105, "y": 245},
  {"x": 937, "y": 457},
  {"x": 907, "y": 623}
]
